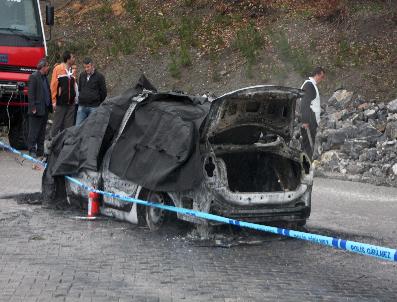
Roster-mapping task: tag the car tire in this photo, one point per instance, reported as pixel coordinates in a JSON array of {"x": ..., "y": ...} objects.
[{"x": 154, "y": 217}]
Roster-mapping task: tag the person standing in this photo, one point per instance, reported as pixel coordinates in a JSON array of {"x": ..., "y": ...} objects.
[
  {"x": 92, "y": 90},
  {"x": 310, "y": 110},
  {"x": 39, "y": 98},
  {"x": 63, "y": 94},
  {"x": 76, "y": 88}
]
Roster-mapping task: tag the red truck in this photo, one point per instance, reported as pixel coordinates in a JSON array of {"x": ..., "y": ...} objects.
[{"x": 22, "y": 45}]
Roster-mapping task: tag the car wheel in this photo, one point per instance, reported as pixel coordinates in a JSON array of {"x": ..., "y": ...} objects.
[{"x": 154, "y": 216}]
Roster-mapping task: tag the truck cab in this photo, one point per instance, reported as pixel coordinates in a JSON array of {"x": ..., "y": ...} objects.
[{"x": 22, "y": 45}]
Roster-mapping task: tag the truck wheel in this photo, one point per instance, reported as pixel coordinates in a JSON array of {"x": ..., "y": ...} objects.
[{"x": 18, "y": 134}]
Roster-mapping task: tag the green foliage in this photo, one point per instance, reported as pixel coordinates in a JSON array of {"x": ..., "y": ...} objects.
[
  {"x": 179, "y": 58},
  {"x": 249, "y": 41},
  {"x": 174, "y": 66},
  {"x": 222, "y": 19},
  {"x": 124, "y": 40},
  {"x": 344, "y": 46},
  {"x": 187, "y": 30},
  {"x": 79, "y": 47},
  {"x": 296, "y": 56},
  {"x": 189, "y": 3},
  {"x": 159, "y": 34},
  {"x": 184, "y": 56},
  {"x": 374, "y": 6},
  {"x": 305, "y": 13},
  {"x": 353, "y": 54},
  {"x": 105, "y": 10},
  {"x": 131, "y": 6}
]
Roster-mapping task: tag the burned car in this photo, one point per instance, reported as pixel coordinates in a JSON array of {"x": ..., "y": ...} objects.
[{"x": 236, "y": 156}]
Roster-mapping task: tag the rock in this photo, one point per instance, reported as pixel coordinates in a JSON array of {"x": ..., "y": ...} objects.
[
  {"x": 355, "y": 168},
  {"x": 328, "y": 156},
  {"x": 330, "y": 161},
  {"x": 354, "y": 147},
  {"x": 392, "y": 117},
  {"x": 382, "y": 114},
  {"x": 330, "y": 124},
  {"x": 376, "y": 171},
  {"x": 392, "y": 106},
  {"x": 334, "y": 138},
  {"x": 391, "y": 130},
  {"x": 394, "y": 169},
  {"x": 341, "y": 98},
  {"x": 372, "y": 154},
  {"x": 358, "y": 117},
  {"x": 363, "y": 107},
  {"x": 358, "y": 101},
  {"x": 378, "y": 125},
  {"x": 386, "y": 168},
  {"x": 371, "y": 134},
  {"x": 389, "y": 143},
  {"x": 357, "y": 139},
  {"x": 370, "y": 113}
]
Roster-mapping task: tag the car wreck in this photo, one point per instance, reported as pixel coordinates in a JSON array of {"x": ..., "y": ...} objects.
[{"x": 237, "y": 156}]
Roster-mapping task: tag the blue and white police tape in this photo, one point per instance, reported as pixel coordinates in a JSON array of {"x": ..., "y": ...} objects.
[
  {"x": 23, "y": 155},
  {"x": 383, "y": 253}
]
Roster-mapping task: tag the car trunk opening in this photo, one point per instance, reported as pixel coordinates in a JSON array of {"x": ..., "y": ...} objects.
[
  {"x": 261, "y": 172},
  {"x": 243, "y": 116}
]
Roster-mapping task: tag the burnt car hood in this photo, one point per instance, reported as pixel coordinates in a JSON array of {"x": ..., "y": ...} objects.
[{"x": 245, "y": 115}]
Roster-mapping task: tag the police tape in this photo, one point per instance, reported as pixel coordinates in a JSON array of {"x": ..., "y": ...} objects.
[
  {"x": 383, "y": 253},
  {"x": 23, "y": 155}
]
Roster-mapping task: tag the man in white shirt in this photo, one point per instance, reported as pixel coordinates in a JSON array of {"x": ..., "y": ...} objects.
[{"x": 310, "y": 109}]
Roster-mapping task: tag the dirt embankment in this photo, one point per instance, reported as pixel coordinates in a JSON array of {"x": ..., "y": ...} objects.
[{"x": 208, "y": 46}]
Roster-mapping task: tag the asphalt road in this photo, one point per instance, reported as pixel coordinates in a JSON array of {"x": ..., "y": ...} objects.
[{"x": 48, "y": 255}]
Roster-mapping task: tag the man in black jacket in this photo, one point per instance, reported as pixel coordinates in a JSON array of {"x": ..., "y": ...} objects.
[
  {"x": 39, "y": 105},
  {"x": 92, "y": 90},
  {"x": 310, "y": 110}
]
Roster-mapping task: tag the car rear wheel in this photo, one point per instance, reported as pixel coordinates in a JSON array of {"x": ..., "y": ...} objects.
[{"x": 155, "y": 217}]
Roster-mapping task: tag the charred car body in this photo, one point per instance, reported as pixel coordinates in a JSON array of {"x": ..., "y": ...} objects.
[{"x": 235, "y": 156}]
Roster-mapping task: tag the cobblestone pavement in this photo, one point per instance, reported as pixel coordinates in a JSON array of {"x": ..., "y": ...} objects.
[{"x": 47, "y": 255}]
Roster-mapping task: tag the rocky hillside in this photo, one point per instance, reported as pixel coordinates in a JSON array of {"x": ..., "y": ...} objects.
[
  {"x": 357, "y": 140},
  {"x": 213, "y": 46}
]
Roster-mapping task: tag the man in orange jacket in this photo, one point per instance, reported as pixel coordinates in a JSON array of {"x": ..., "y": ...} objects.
[{"x": 63, "y": 94}]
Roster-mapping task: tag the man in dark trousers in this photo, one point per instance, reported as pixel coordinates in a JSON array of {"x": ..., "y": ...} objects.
[
  {"x": 39, "y": 106},
  {"x": 63, "y": 94},
  {"x": 92, "y": 90},
  {"x": 310, "y": 110}
]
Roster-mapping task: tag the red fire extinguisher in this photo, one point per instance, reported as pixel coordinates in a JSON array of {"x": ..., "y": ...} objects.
[{"x": 93, "y": 204}]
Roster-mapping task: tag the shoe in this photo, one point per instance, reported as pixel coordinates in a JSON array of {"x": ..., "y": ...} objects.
[{"x": 36, "y": 167}]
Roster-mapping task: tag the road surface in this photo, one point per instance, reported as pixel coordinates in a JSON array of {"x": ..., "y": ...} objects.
[{"x": 47, "y": 255}]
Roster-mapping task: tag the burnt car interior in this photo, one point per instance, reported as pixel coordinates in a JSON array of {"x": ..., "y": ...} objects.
[
  {"x": 249, "y": 127},
  {"x": 261, "y": 172}
]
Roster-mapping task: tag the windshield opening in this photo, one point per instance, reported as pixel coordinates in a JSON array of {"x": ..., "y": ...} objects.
[{"x": 19, "y": 17}]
